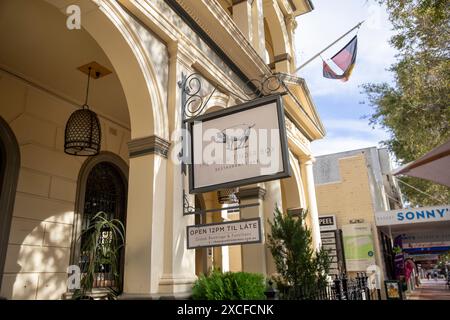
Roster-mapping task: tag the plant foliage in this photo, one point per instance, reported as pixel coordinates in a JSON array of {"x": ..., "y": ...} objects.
[
  {"x": 302, "y": 272},
  {"x": 415, "y": 108},
  {"x": 103, "y": 241},
  {"x": 229, "y": 286}
]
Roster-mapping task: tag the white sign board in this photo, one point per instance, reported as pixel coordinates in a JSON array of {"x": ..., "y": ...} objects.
[
  {"x": 412, "y": 215},
  {"x": 224, "y": 234},
  {"x": 237, "y": 146},
  {"x": 358, "y": 246},
  {"x": 327, "y": 223}
]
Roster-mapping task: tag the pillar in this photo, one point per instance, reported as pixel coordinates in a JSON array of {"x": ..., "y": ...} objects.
[
  {"x": 242, "y": 16},
  {"x": 312, "y": 202},
  {"x": 253, "y": 255},
  {"x": 259, "y": 37},
  {"x": 178, "y": 274},
  {"x": 272, "y": 198},
  {"x": 145, "y": 215}
]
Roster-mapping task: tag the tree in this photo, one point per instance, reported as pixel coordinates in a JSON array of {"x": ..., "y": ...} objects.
[
  {"x": 415, "y": 109},
  {"x": 301, "y": 271}
]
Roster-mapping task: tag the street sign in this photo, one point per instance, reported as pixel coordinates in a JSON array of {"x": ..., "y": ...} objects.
[{"x": 327, "y": 223}]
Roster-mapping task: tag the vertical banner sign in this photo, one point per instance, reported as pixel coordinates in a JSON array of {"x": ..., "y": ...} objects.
[
  {"x": 358, "y": 246},
  {"x": 241, "y": 145}
]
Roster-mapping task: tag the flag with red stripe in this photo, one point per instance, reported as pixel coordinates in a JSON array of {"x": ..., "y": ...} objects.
[{"x": 344, "y": 59}]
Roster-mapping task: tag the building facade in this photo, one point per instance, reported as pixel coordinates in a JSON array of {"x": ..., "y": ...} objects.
[
  {"x": 47, "y": 196},
  {"x": 353, "y": 186}
]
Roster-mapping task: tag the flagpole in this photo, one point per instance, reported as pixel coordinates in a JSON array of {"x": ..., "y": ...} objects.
[{"x": 318, "y": 54}]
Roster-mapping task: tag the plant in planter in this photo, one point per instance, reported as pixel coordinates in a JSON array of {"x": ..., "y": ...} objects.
[
  {"x": 102, "y": 242},
  {"x": 302, "y": 272}
]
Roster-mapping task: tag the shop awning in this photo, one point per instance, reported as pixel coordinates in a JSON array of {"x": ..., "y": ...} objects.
[{"x": 433, "y": 166}]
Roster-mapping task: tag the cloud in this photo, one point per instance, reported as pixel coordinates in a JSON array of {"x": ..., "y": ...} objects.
[{"x": 347, "y": 134}]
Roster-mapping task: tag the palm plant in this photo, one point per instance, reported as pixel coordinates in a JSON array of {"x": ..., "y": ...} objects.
[{"x": 102, "y": 242}]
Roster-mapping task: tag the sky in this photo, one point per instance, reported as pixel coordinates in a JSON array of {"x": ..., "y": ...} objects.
[{"x": 339, "y": 103}]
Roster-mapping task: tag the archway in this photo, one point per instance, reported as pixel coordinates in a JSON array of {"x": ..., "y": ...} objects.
[
  {"x": 9, "y": 174},
  {"x": 108, "y": 24}
]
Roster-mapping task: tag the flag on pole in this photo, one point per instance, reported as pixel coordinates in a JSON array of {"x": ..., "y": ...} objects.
[{"x": 344, "y": 59}]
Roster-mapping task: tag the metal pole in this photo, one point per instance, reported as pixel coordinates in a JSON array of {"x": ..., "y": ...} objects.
[{"x": 318, "y": 54}]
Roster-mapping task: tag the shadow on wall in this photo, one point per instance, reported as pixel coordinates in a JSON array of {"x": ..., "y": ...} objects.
[{"x": 37, "y": 259}]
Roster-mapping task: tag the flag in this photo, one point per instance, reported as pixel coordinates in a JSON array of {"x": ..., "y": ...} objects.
[{"x": 344, "y": 59}]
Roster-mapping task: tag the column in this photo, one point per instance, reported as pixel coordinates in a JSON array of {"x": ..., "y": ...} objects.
[
  {"x": 312, "y": 202},
  {"x": 145, "y": 215},
  {"x": 259, "y": 38},
  {"x": 253, "y": 255},
  {"x": 272, "y": 198},
  {"x": 242, "y": 16}
]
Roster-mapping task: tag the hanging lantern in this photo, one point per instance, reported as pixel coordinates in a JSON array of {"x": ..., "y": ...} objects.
[{"x": 83, "y": 133}]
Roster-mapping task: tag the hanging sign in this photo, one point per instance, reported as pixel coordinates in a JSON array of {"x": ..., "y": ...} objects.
[
  {"x": 224, "y": 234},
  {"x": 237, "y": 146}
]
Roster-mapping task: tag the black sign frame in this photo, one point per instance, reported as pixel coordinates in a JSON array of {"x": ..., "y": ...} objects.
[{"x": 286, "y": 173}]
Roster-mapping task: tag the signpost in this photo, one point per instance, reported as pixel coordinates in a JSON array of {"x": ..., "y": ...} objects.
[
  {"x": 225, "y": 233},
  {"x": 331, "y": 240}
]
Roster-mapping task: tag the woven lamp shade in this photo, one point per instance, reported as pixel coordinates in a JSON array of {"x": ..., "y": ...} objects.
[{"x": 83, "y": 133}]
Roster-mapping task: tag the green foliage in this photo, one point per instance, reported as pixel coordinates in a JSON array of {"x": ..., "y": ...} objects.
[
  {"x": 302, "y": 272},
  {"x": 415, "y": 110},
  {"x": 229, "y": 286},
  {"x": 111, "y": 231}
]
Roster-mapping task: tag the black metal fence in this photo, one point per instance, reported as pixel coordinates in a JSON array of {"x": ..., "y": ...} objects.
[{"x": 341, "y": 288}]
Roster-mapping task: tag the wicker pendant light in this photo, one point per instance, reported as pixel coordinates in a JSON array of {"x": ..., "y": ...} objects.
[{"x": 83, "y": 133}]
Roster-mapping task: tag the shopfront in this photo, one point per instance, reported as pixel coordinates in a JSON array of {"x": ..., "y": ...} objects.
[{"x": 139, "y": 53}]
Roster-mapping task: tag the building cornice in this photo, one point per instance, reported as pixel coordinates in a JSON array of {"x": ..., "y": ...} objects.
[
  {"x": 220, "y": 27},
  {"x": 148, "y": 145},
  {"x": 251, "y": 193}
]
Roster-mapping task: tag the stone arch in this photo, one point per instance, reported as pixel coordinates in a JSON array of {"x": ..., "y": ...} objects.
[
  {"x": 277, "y": 28},
  {"x": 9, "y": 175},
  {"x": 86, "y": 168},
  {"x": 108, "y": 24}
]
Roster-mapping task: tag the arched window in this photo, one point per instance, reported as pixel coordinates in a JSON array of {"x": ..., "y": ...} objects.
[
  {"x": 9, "y": 174},
  {"x": 102, "y": 187}
]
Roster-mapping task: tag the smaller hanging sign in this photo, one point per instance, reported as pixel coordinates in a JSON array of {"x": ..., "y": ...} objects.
[{"x": 224, "y": 234}]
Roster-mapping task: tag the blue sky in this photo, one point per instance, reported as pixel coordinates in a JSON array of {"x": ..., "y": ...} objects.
[{"x": 339, "y": 103}]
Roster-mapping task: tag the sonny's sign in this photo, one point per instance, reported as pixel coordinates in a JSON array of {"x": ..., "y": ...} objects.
[{"x": 413, "y": 215}]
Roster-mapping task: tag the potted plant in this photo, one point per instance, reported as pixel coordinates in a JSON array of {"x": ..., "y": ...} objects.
[{"x": 102, "y": 242}]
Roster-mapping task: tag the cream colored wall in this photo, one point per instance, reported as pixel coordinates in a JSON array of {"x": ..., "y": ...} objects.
[
  {"x": 350, "y": 198},
  {"x": 40, "y": 237}
]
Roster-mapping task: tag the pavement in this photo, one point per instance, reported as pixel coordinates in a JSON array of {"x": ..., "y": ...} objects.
[{"x": 431, "y": 290}]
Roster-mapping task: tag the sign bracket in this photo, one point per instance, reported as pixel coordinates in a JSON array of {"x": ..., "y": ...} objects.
[{"x": 194, "y": 102}]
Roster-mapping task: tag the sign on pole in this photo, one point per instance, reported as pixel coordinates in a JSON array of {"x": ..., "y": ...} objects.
[{"x": 225, "y": 233}]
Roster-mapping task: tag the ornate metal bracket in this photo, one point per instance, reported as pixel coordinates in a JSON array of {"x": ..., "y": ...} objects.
[{"x": 193, "y": 104}]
